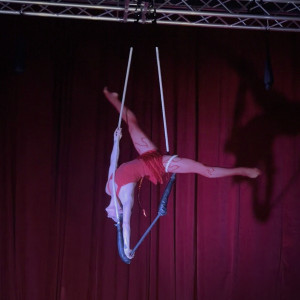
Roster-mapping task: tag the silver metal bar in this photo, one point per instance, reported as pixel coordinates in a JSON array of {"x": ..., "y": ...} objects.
[
  {"x": 63, "y": 4},
  {"x": 231, "y": 15},
  {"x": 281, "y": 16},
  {"x": 175, "y": 12}
]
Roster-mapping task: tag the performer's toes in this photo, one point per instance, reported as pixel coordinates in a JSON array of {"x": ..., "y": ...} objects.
[
  {"x": 254, "y": 173},
  {"x": 110, "y": 95},
  {"x": 111, "y": 212}
]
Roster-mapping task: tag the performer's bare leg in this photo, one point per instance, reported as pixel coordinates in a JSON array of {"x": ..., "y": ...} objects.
[
  {"x": 178, "y": 165},
  {"x": 126, "y": 196},
  {"x": 185, "y": 165},
  {"x": 140, "y": 140}
]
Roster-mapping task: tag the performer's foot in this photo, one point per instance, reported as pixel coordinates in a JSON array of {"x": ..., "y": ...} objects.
[
  {"x": 252, "y": 172},
  {"x": 112, "y": 97},
  {"x": 111, "y": 212}
]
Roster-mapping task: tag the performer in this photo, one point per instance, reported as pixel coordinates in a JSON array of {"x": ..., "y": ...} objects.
[{"x": 150, "y": 164}]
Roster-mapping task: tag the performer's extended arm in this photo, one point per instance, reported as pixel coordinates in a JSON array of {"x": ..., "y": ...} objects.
[{"x": 114, "y": 157}]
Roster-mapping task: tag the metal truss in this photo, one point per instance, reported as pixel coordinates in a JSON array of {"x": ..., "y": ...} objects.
[{"x": 251, "y": 14}]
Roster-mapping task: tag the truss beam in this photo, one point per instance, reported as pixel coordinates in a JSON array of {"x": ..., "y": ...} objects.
[{"x": 251, "y": 14}]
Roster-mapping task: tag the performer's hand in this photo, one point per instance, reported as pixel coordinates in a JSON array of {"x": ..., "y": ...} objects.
[{"x": 118, "y": 134}]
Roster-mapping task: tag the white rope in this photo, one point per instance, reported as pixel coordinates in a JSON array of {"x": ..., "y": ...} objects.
[
  {"x": 169, "y": 161},
  {"x": 119, "y": 124},
  {"x": 125, "y": 86},
  {"x": 116, "y": 158},
  {"x": 162, "y": 100}
]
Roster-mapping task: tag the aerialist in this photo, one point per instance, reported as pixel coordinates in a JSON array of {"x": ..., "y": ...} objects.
[{"x": 150, "y": 164}]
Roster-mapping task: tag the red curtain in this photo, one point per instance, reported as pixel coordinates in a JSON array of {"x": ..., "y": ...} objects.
[{"x": 227, "y": 238}]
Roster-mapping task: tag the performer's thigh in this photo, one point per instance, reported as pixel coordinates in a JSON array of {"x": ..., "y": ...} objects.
[
  {"x": 182, "y": 165},
  {"x": 140, "y": 141}
]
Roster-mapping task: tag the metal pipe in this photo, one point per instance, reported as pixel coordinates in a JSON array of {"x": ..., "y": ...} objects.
[
  {"x": 161, "y": 11},
  {"x": 168, "y": 22}
]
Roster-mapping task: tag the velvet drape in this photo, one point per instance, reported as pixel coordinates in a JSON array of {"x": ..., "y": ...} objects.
[{"x": 227, "y": 238}]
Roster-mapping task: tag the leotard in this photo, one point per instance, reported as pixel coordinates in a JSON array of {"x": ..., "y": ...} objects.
[{"x": 147, "y": 165}]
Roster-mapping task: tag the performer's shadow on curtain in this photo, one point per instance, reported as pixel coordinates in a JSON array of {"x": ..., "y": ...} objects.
[{"x": 252, "y": 143}]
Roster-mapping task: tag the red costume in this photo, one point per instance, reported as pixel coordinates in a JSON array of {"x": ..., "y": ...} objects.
[{"x": 148, "y": 165}]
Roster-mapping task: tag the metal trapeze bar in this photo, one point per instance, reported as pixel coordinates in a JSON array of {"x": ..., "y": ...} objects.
[{"x": 162, "y": 210}]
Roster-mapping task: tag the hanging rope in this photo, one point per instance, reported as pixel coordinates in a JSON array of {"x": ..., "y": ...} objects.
[
  {"x": 116, "y": 158},
  {"x": 125, "y": 86},
  {"x": 120, "y": 240},
  {"x": 163, "y": 205},
  {"x": 162, "y": 209},
  {"x": 162, "y": 100},
  {"x": 164, "y": 117}
]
